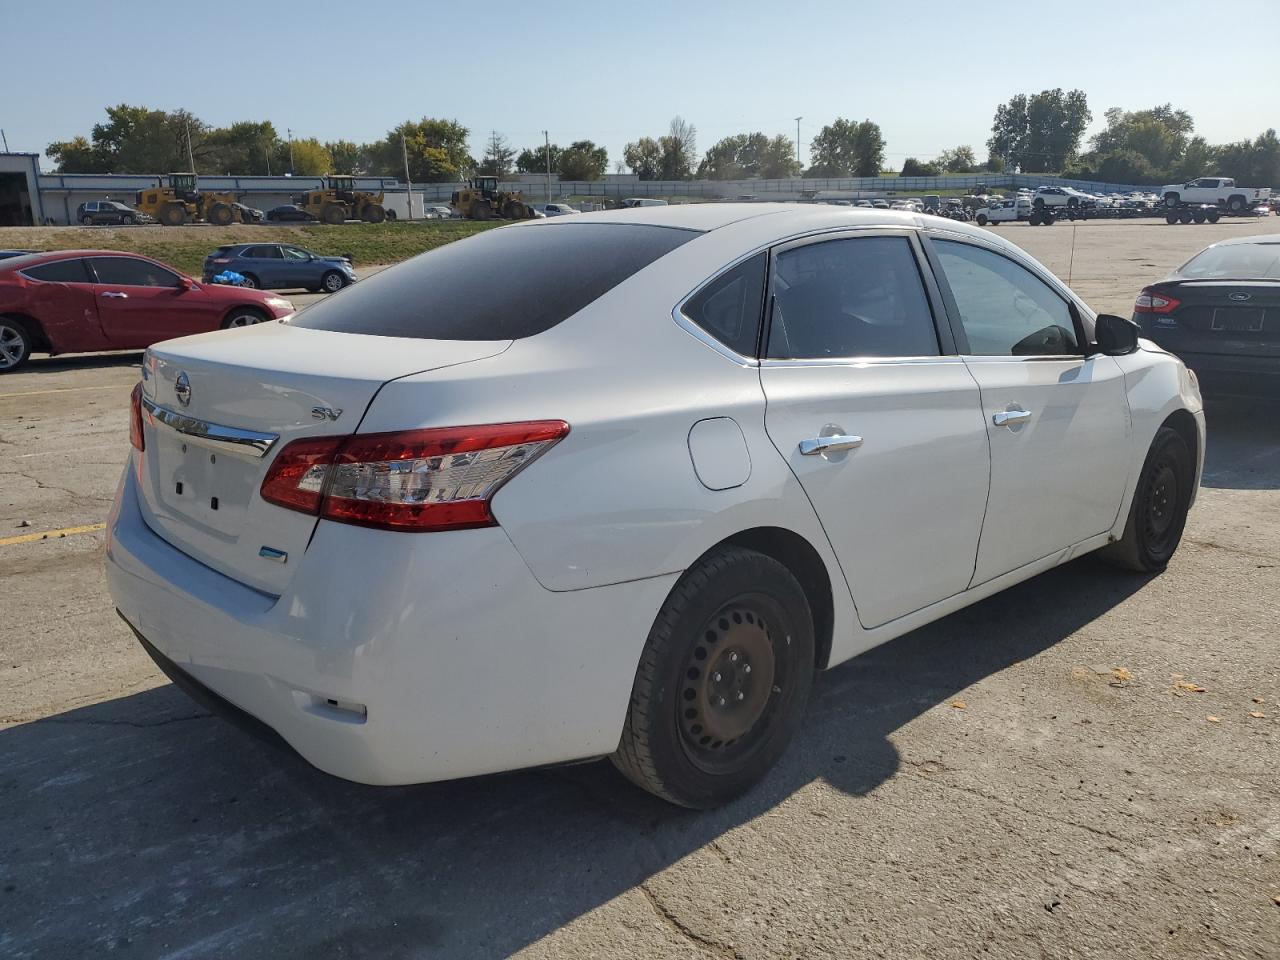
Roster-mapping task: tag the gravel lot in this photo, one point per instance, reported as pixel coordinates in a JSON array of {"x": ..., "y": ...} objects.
[{"x": 1022, "y": 779}]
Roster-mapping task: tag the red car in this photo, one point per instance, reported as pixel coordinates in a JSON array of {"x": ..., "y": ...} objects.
[{"x": 79, "y": 301}]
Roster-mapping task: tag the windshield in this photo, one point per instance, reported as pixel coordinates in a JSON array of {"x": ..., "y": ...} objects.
[{"x": 1235, "y": 261}]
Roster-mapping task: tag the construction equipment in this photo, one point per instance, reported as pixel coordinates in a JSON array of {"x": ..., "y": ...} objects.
[
  {"x": 482, "y": 200},
  {"x": 339, "y": 200},
  {"x": 180, "y": 201}
]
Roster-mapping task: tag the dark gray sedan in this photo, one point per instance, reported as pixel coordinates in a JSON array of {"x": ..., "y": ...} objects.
[
  {"x": 1220, "y": 314},
  {"x": 280, "y": 266}
]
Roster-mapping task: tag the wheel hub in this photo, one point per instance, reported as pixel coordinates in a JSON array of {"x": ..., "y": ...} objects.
[
  {"x": 728, "y": 680},
  {"x": 1163, "y": 500}
]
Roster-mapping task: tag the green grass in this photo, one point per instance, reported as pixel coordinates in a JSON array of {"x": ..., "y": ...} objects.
[{"x": 186, "y": 247}]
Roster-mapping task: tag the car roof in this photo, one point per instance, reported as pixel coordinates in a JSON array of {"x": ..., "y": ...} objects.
[
  {"x": 784, "y": 219},
  {"x": 49, "y": 256},
  {"x": 1265, "y": 238}
]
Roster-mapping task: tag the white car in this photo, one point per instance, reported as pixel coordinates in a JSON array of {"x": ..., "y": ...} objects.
[
  {"x": 1060, "y": 197},
  {"x": 1005, "y": 211},
  {"x": 1221, "y": 191},
  {"x": 557, "y": 209},
  {"x": 617, "y": 484}
]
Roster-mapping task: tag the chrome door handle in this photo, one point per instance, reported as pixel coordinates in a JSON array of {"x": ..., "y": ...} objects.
[
  {"x": 810, "y": 448},
  {"x": 1007, "y": 418},
  {"x": 115, "y": 295}
]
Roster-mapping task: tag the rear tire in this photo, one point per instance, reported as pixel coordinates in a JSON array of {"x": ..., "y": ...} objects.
[
  {"x": 128, "y": 220},
  {"x": 1159, "y": 510},
  {"x": 1170, "y": 218},
  {"x": 722, "y": 683},
  {"x": 1185, "y": 216},
  {"x": 1213, "y": 216},
  {"x": 87, "y": 221},
  {"x": 251, "y": 281},
  {"x": 15, "y": 344},
  {"x": 374, "y": 213},
  {"x": 481, "y": 210},
  {"x": 1199, "y": 216},
  {"x": 244, "y": 317},
  {"x": 333, "y": 215},
  {"x": 1237, "y": 204}
]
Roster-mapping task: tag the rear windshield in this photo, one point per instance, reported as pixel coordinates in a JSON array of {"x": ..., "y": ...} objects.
[
  {"x": 1235, "y": 261},
  {"x": 503, "y": 284}
]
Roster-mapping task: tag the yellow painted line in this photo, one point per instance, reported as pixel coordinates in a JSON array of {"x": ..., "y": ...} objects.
[
  {"x": 52, "y": 534},
  {"x": 36, "y": 393}
]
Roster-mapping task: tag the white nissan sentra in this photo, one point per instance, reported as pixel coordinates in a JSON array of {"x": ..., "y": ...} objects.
[{"x": 617, "y": 484}]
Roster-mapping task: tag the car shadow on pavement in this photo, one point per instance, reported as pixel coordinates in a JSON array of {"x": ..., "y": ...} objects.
[
  {"x": 39, "y": 364},
  {"x": 1243, "y": 449},
  {"x": 145, "y": 825}
]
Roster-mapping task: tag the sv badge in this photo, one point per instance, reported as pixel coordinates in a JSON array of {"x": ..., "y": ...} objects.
[{"x": 325, "y": 413}]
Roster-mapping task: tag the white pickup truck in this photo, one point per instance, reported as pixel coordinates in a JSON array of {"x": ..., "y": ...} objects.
[
  {"x": 1005, "y": 211},
  {"x": 1221, "y": 191}
]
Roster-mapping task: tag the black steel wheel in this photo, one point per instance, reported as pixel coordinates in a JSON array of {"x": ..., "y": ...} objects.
[
  {"x": 1160, "y": 504},
  {"x": 722, "y": 683}
]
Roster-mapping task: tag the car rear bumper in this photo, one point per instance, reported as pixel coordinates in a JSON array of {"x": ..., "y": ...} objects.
[
  {"x": 1224, "y": 374},
  {"x": 393, "y": 658}
]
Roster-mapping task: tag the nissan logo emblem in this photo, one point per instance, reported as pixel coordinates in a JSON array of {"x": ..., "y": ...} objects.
[
  {"x": 1240, "y": 297},
  {"x": 182, "y": 388}
]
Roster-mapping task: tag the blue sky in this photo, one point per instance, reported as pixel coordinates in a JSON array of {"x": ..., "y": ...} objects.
[{"x": 613, "y": 73}]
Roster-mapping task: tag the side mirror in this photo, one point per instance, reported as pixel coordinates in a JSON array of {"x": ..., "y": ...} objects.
[
  {"x": 185, "y": 284},
  {"x": 1117, "y": 336}
]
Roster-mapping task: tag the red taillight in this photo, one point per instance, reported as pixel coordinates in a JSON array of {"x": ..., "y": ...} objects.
[
  {"x": 135, "y": 419},
  {"x": 418, "y": 480},
  {"x": 1149, "y": 301}
]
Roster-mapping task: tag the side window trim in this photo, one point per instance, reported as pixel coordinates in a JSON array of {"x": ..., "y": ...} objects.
[
  {"x": 947, "y": 344},
  {"x": 953, "y": 308}
]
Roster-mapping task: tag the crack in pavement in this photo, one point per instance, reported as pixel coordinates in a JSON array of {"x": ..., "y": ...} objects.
[
  {"x": 1213, "y": 545},
  {"x": 676, "y": 925}
]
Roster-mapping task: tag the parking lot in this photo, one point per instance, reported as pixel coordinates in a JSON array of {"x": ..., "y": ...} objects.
[{"x": 1081, "y": 766}]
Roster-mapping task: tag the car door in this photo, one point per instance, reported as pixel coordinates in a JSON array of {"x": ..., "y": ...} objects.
[
  {"x": 878, "y": 418},
  {"x": 1057, "y": 419},
  {"x": 141, "y": 302},
  {"x": 62, "y": 299},
  {"x": 263, "y": 262},
  {"x": 298, "y": 268}
]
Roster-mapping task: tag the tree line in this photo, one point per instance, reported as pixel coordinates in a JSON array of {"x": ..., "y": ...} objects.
[{"x": 1031, "y": 133}]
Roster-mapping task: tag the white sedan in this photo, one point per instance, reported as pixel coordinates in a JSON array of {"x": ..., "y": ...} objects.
[{"x": 617, "y": 484}]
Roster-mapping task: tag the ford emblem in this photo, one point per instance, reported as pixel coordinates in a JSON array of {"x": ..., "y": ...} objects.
[
  {"x": 1240, "y": 297},
  {"x": 182, "y": 388}
]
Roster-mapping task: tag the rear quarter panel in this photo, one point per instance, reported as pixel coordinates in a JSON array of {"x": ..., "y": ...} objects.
[{"x": 66, "y": 312}]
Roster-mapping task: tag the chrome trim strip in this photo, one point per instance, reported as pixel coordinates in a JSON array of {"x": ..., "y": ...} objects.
[
  {"x": 212, "y": 435},
  {"x": 858, "y": 361}
]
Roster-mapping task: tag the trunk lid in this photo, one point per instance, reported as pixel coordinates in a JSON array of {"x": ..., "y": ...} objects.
[
  {"x": 249, "y": 392},
  {"x": 1240, "y": 317}
]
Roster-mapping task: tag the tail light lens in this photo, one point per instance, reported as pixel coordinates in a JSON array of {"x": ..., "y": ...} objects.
[
  {"x": 416, "y": 480},
  {"x": 135, "y": 419},
  {"x": 1149, "y": 301}
]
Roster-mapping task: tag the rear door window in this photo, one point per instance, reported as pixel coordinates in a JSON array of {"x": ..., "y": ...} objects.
[
  {"x": 729, "y": 306},
  {"x": 60, "y": 271},
  {"x": 503, "y": 284},
  {"x": 855, "y": 297}
]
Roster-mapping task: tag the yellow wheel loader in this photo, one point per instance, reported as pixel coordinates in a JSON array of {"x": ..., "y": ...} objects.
[
  {"x": 482, "y": 200},
  {"x": 339, "y": 200},
  {"x": 179, "y": 201}
]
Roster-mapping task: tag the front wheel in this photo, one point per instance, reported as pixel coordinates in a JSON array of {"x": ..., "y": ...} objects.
[
  {"x": 87, "y": 221},
  {"x": 15, "y": 345},
  {"x": 333, "y": 281},
  {"x": 243, "y": 317},
  {"x": 128, "y": 220},
  {"x": 722, "y": 683},
  {"x": 1160, "y": 505},
  {"x": 982, "y": 219}
]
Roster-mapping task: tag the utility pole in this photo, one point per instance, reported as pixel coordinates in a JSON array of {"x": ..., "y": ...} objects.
[
  {"x": 547, "y": 138},
  {"x": 266, "y": 152},
  {"x": 798, "y": 119},
  {"x": 290, "y": 133},
  {"x": 404, "y": 150},
  {"x": 5, "y": 139},
  {"x": 191, "y": 160}
]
